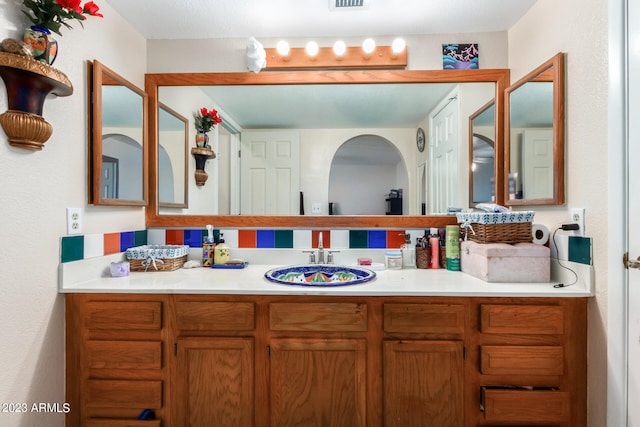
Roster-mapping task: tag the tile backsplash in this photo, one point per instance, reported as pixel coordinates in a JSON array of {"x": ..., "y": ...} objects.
[{"x": 75, "y": 248}]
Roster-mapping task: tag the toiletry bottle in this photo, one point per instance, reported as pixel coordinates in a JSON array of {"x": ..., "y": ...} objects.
[
  {"x": 208, "y": 247},
  {"x": 221, "y": 252},
  {"x": 408, "y": 252},
  {"x": 434, "y": 241},
  {"x": 423, "y": 252},
  {"x": 453, "y": 247}
]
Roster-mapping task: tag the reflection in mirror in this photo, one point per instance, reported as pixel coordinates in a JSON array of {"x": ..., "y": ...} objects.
[
  {"x": 482, "y": 136},
  {"x": 535, "y": 137},
  {"x": 317, "y": 107},
  {"x": 364, "y": 171},
  {"x": 118, "y": 144},
  {"x": 172, "y": 158}
]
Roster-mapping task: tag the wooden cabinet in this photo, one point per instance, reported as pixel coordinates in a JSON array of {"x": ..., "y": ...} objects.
[{"x": 200, "y": 360}]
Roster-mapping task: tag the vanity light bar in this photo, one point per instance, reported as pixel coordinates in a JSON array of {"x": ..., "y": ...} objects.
[
  {"x": 348, "y": 4},
  {"x": 383, "y": 57}
]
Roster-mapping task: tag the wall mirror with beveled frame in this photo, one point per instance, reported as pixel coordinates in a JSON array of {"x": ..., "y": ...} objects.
[
  {"x": 534, "y": 136},
  {"x": 173, "y": 146},
  {"x": 249, "y": 87},
  {"x": 118, "y": 172},
  {"x": 485, "y": 158}
]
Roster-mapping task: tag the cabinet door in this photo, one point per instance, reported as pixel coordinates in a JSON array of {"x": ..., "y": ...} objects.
[
  {"x": 423, "y": 383},
  {"x": 318, "y": 382},
  {"x": 215, "y": 382}
]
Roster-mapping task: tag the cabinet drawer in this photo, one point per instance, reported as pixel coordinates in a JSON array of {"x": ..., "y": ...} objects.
[
  {"x": 521, "y": 360},
  {"x": 124, "y": 354},
  {"x": 121, "y": 423},
  {"x": 342, "y": 317},
  {"x": 124, "y": 394},
  {"x": 535, "y": 406},
  {"x": 215, "y": 316},
  {"x": 430, "y": 318},
  {"x": 522, "y": 319},
  {"x": 146, "y": 315}
]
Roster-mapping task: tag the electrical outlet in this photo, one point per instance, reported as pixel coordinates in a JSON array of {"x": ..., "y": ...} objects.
[
  {"x": 74, "y": 221},
  {"x": 316, "y": 208},
  {"x": 577, "y": 217}
]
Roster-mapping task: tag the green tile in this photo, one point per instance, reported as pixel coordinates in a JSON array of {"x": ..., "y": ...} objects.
[
  {"x": 140, "y": 238},
  {"x": 580, "y": 249},
  {"x": 284, "y": 239},
  {"x": 72, "y": 248},
  {"x": 358, "y": 239}
]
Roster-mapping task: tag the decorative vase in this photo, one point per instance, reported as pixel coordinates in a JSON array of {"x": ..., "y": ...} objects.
[
  {"x": 202, "y": 139},
  {"x": 45, "y": 47}
]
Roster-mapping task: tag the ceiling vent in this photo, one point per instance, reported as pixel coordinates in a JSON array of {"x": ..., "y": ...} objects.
[{"x": 348, "y": 4}]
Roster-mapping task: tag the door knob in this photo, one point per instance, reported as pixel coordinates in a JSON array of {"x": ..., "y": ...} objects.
[{"x": 630, "y": 263}]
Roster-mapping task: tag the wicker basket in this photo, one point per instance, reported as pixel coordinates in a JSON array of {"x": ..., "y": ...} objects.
[
  {"x": 504, "y": 227},
  {"x": 157, "y": 257}
]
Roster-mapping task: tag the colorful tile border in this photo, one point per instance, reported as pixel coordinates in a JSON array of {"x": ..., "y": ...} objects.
[{"x": 75, "y": 248}]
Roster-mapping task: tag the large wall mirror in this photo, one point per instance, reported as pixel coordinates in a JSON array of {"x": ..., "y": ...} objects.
[
  {"x": 266, "y": 107},
  {"x": 118, "y": 172},
  {"x": 534, "y": 136}
]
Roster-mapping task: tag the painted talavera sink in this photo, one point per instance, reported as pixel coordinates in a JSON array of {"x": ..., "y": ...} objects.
[{"x": 319, "y": 275}]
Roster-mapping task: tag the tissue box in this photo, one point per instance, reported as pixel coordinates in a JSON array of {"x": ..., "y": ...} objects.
[{"x": 502, "y": 262}]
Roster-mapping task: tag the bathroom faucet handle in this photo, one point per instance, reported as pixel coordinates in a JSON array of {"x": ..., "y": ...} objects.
[
  {"x": 330, "y": 256},
  {"x": 312, "y": 256}
]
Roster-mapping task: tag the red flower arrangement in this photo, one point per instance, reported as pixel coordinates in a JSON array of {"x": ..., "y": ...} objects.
[
  {"x": 52, "y": 14},
  {"x": 206, "y": 120}
]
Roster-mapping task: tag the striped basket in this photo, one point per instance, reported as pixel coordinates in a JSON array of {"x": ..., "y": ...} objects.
[
  {"x": 503, "y": 227},
  {"x": 157, "y": 257}
]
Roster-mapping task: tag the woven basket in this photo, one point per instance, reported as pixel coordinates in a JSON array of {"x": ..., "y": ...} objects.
[
  {"x": 157, "y": 258},
  {"x": 516, "y": 232}
]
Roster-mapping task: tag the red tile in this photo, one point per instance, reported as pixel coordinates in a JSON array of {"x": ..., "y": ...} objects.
[
  {"x": 174, "y": 237},
  {"x": 111, "y": 243},
  {"x": 246, "y": 238},
  {"x": 326, "y": 238},
  {"x": 395, "y": 238}
]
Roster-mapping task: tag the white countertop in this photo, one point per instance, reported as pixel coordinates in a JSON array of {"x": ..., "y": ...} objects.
[{"x": 92, "y": 276}]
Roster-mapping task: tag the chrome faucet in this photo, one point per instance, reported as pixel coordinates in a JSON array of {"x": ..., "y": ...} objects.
[
  {"x": 320, "y": 258},
  {"x": 320, "y": 249}
]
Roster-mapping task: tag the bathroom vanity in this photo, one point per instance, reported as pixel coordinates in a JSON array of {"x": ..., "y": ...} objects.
[{"x": 413, "y": 347}]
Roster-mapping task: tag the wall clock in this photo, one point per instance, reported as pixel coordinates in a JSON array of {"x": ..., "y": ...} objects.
[{"x": 420, "y": 140}]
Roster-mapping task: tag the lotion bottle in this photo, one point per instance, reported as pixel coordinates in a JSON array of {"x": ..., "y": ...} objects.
[
  {"x": 221, "y": 252},
  {"x": 408, "y": 252},
  {"x": 434, "y": 242}
]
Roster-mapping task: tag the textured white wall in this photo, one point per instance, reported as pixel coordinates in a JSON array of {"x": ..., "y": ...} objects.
[
  {"x": 36, "y": 188},
  {"x": 579, "y": 28}
]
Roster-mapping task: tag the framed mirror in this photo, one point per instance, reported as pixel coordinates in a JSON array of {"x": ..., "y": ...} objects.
[
  {"x": 118, "y": 171},
  {"x": 229, "y": 92},
  {"x": 484, "y": 156},
  {"x": 534, "y": 136},
  {"x": 173, "y": 164}
]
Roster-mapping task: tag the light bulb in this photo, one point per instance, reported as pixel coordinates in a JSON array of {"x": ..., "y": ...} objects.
[
  {"x": 312, "y": 49},
  {"x": 283, "y": 48},
  {"x": 397, "y": 46},
  {"x": 339, "y": 49},
  {"x": 368, "y": 46}
]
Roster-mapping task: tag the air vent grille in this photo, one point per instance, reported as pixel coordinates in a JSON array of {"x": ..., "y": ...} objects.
[{"x": 348, "y": 4}]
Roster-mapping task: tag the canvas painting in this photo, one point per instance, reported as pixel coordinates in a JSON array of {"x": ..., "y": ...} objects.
[{"x": 460, "y": 56}]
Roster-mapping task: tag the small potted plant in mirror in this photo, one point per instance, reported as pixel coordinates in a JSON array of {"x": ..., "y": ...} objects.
[
  {"x": 49, "y": 16},
  {"x": 204, "y": 121}
]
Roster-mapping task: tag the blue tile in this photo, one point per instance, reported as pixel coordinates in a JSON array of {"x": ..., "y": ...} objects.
[
  {"x": 127, "y": 240},
  {"x": 72, "y": 248},
  {"x": 193, "y": 238},
  {"x": 265, "y": 239},
  {"x": 377, "y": 239}
]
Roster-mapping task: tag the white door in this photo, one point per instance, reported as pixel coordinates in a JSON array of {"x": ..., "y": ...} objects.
[
  {"x": 633, "y": 217},
  {"x": 443, "y": 156},
  {"x": 270, "y": 179},
  {"x": 537, "y": 163}
]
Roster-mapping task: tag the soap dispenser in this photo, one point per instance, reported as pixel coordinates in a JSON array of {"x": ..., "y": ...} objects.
[
  {"x": 408, "y": 252},
  {"x": 221, "y": 252}
]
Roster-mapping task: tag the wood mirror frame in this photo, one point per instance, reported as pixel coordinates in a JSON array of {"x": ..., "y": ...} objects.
[
  {"x": 553, "y": 71},
  {"x": 152, "y": 81},
  {"x": 183, "y": 140},
  {"x": 101, "y": 76}
]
